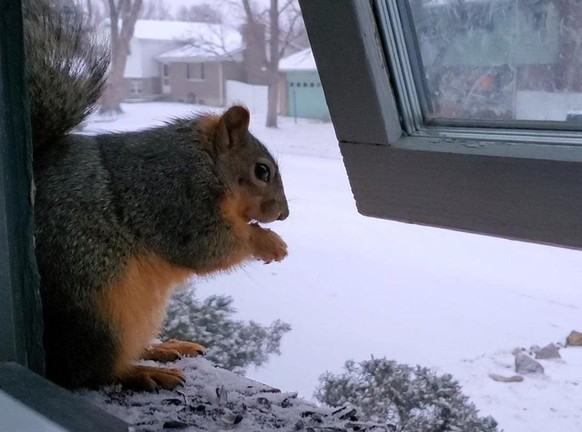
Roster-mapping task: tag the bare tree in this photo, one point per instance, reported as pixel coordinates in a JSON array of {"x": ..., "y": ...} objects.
[
  {"x": 96, "y": 11},
  {"x": 155, "y": 10},
  {"x": 273, "y": 65},
  {"x": 279, "y": 26},
  {"x": 284, "y": 26},
  {"x": 123, "y": 16},
  {"x": 204, "y": 12},
  {"x": 92, "y": 14}
]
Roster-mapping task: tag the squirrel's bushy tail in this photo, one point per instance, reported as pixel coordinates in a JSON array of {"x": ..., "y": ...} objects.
[{"x": 66, "y": 69}]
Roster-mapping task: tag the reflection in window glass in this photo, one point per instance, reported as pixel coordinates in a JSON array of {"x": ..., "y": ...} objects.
[{"x": 500, "y": 59}]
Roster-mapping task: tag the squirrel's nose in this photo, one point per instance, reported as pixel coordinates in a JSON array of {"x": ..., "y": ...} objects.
[{"x": 284, "y": 214}]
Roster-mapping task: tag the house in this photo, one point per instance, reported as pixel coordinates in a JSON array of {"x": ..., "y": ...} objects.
[
  {"x": 197, "y": 73},
  {"x": 301, "y": 91},
  {"x": 197, "y": 62},
  {"x": 182, "y": 61}
]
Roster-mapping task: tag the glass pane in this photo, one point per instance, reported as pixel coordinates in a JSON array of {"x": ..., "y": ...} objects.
[{"x": 501, "y": 59}]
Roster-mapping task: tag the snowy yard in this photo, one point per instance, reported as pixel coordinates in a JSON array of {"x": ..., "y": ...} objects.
[{"x": 353, "y": 287}]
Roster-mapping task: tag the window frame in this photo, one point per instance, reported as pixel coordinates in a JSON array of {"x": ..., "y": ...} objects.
[
  {"x": 501, "y": 185},
  {"x": 20, "y": 307}
]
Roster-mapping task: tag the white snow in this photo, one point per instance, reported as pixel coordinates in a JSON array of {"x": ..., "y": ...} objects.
[
  {"x": 202, "y": 51},
  {"x": 214, "y": 399},
  {"x": 353, "y": 287},
  {"x": 300, "y": 61}
]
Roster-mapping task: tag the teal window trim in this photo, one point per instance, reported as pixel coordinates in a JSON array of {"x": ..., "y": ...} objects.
[
  {"x": 40, "y": 401},
  {"x": 36, "y": 400},
  {"x": 20, "y": 305}
]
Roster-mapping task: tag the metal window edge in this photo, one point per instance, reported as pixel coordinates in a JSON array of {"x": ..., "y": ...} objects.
[
  {"x": 352, "y": 67},
  {"x": 67, "y": 410},
  {"x": 531, "y": 199},
  {"x": 500, "y": 149}
]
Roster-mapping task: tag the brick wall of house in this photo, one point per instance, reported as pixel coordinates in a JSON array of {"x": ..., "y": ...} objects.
[
  {"x": 208, "y": 91},
  {"x": 204, "y": 91}
]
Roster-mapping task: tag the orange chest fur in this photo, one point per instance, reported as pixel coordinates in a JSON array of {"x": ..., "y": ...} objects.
[{"x": 135, "y": 304}]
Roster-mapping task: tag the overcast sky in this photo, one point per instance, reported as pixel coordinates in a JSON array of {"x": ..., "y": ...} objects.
[
  {"x": 210, "y": 2},
  {"x": 231, "y": 9}
]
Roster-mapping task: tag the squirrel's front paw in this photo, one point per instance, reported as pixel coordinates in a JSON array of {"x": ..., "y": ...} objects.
[{"x": 268, "y": 246}]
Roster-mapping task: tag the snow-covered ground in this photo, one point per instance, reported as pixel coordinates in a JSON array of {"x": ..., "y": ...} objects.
[{"x": 353, "y": 287}]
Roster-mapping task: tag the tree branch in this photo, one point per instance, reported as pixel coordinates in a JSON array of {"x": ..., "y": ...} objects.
[
  {"x": 290, "y": 36},
  {"x": 248, "y": 11},
  {"x": 286, "y": 5}
]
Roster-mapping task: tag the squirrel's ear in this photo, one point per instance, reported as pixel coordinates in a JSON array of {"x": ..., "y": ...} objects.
[{"x": 233, "y": 126}]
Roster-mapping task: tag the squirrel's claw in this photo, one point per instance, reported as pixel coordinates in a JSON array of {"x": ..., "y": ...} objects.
[
  {"x": 151, "y": 378},
  {"x": 173, "y": 350}
]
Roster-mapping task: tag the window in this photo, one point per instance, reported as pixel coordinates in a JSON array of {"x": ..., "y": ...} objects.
[
  {"x": 484, "y": 143},
  {"x": 487, "y": 63},
  {"x": 195, "y": 72},
  {"x": 165, "y": 70},
  {"x": 136, "y": 88}
]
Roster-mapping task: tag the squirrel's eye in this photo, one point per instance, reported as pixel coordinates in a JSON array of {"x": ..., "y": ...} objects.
[{"x": 263, "y": 172}]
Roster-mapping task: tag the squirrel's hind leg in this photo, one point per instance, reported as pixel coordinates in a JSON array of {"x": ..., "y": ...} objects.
[
  {"x": 80, "y": 346},
  {"x": 149, "y": 378}
]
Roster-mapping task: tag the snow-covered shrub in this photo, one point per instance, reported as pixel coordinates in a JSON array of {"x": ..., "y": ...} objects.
[
  {"x": 406, "y": 398},
  {"x": 232, "y": 344}
]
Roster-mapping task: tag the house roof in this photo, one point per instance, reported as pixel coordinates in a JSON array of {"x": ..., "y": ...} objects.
[
  {"x": 302, "y": 60},
  {"x": 202, "y": 40},
  {"x": 212, "y": 40},
  {"x": 193, "y": 53}
]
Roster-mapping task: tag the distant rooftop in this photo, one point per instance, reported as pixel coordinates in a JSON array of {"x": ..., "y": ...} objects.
[
  {"x": 302, "y": 60},
  {"x": 200, "y": 52},
  {"x": 217, "y": 35}
]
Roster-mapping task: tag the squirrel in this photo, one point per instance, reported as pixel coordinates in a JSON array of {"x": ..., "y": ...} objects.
[{"x": 122, "y": 219}]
